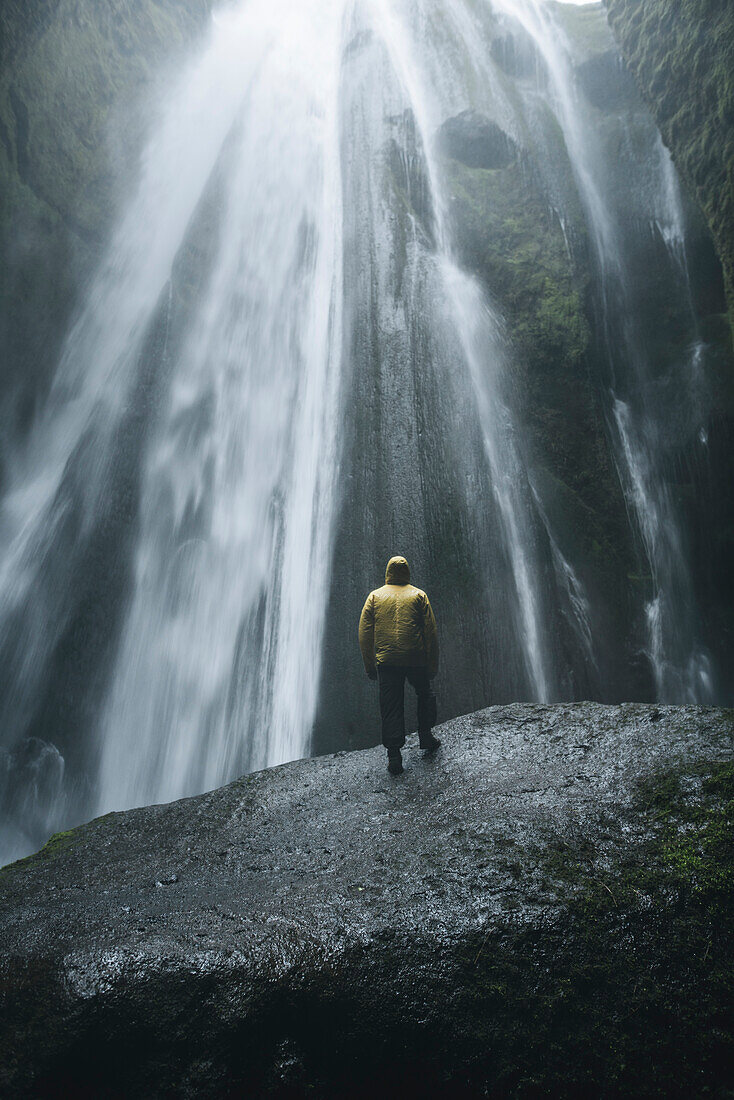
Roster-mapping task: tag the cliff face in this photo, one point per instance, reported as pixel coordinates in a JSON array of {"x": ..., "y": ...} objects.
[
  {"x": 538, "y": 909},
  {"x": 681, "y": 54},
  {"x": 73, "y": 77},
  {"x": 519, "y": 226}
]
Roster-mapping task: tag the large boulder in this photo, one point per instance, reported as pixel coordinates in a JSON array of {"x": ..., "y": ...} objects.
[{"x": 539, "y": 909}]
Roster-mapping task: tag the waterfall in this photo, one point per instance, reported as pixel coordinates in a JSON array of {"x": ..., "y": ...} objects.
[
  {"x": 639, "y": 418},
  {"x": 472, "y": 321},
  {"x": 283, "y": 296},
  {"x": 508, "y": 478},
  {"x": 218, "y": 666}
]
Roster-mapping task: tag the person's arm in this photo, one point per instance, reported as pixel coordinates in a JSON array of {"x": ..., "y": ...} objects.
[
  {"x": 430, "y": 638},
  {"x": 367, "y": 636}
]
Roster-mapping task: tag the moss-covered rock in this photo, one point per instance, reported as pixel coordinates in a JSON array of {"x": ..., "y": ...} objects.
[
  {"x": 681, "y": 53},
  {"x": 475, "y": 141},
  {"x": 506, "y": 233},
  {"x": 606, "y": 82},
  {"x": 536, "y": 268},
  {"x": 615, "y": 911}
]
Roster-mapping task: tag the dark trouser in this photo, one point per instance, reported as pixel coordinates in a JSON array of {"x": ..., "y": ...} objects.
[{"x": 392, "y": 702}]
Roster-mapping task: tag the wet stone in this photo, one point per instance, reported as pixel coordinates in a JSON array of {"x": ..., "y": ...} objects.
[{"x": 497, "y": 924}]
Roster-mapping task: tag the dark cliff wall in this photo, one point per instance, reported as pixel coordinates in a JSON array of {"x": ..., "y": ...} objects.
[
  {"x": 73, "y": 81},
  {"x": 681, "y": 53}
]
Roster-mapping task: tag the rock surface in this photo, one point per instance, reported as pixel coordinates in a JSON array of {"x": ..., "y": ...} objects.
[{"x": 540, "y": 908}]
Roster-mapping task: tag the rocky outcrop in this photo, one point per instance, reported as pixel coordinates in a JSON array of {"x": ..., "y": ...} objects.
[
  {"x": 539, "y": 909},
  {"x": 475, "y": 141},
  {"x": 606, "y": 82},
  {"x": 681, "y": 53}
]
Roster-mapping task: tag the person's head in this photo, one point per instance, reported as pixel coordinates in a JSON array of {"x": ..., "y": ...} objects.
[{"x": 397, "y": 571}]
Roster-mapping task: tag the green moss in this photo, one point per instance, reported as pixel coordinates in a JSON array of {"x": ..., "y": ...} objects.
[
  {"x": 697, "y": 838},
  {"x": 53, "y": 847},
  {"x": 687, "y": 814},
  {"x": 508, "y": 234},
  {"x": 636, "y": 966},
  {"x": 57, "y": 843},
  {"x": 60, "y": 842}
]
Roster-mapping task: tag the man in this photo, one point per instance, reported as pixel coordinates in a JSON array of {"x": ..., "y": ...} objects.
[{"x": 398, "y": 640}]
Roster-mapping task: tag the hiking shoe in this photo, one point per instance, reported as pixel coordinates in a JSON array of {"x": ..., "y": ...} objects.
[
  {"x": 394, "y": 762},
  {"x": 429, "y": 743}
]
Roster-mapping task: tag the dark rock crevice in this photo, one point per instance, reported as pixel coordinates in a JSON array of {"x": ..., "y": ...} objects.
[{"x": 476, "y": 141}]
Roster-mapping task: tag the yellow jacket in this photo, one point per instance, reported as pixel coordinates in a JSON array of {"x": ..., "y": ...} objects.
[{"x": 397, "y": 626}]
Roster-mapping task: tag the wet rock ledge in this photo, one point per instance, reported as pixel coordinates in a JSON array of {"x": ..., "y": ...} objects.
[{"x": 541, "y": 909}]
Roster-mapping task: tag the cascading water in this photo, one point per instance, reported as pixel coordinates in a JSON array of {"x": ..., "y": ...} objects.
[
  {"x": 681, "y": 668},
  {"x": 217, "y": 667},
  {"x": 238, "y": 485},
  {"x": 468, "y": 316},
  {"x": 284, "y": 352},
  {"x": 508, "y": 476}
]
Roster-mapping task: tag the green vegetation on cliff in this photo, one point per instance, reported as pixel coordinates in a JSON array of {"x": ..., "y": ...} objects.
[{"x": 508, "y": 235}]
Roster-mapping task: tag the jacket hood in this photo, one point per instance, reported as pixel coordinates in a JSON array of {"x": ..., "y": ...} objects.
[{"x": 397, "y": 571}]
